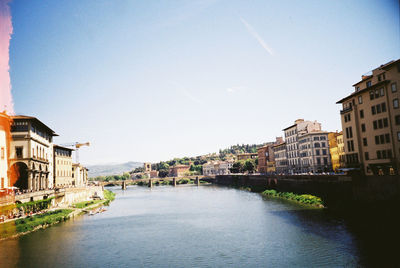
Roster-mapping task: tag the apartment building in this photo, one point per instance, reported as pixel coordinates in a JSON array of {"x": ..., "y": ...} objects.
[
  {"x": 246, "y": 156},
  {"x": 280, "y": 156},
  {"x": 292, "y": 133},
  {"x": 79, "y": 175},
  {"x": 314, "y": 156},
  {"x": 218, "y": 167},
  {"x": 31, "y": 153},
  {"x": 371, "y": 121},
  {"x": 178, "y": 170},
  {"x": 266, "y": 159},
  {"x": 63, "y": 167}
]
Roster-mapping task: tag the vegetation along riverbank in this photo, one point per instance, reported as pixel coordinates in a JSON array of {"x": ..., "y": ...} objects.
[
  {"x": 45, "y": 216},
  {"x": 306, "y": 199}
]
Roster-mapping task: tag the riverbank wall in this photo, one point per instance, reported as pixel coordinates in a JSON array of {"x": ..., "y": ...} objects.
[
  {"x": 76, "y": 195},
  {"x": 336, "y": 191}
]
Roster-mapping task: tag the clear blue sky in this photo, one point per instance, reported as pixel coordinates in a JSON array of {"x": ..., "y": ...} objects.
[{"x": 153, "y": 80}]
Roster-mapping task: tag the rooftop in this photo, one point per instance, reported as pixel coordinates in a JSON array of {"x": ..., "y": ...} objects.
[{"x": 34, "y": 119}]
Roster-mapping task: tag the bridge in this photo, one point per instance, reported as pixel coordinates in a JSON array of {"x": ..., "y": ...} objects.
[{"x": 152, "y": 181}]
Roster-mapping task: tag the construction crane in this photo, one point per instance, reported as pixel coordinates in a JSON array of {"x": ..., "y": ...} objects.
[{"x": 76, "y": 145}]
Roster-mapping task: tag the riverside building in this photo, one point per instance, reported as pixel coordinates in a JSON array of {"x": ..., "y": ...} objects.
[
  {"x": 292, "y": 134},
  {"x": 31, "y": 153},
  {"x": 371, "y": 122},
  {"x": 266, "y": 158},
  {"x": 63, "y": 167},
  {"x": 314, "y": 156},
  {"x": 280, "y": 156}
]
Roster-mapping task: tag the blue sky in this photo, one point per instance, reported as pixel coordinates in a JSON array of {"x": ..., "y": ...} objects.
[{"x": 153, "y": 80}]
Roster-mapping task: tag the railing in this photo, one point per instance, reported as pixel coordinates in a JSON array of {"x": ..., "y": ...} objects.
[{"x": 347, "y": 109}]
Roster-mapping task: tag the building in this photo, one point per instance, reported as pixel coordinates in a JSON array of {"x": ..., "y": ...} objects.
[
  {"x": 63, "y": 171},
  {"x": 246, "y": 156},
  {"x": 153, "y": 174},
  {"x": 147, "y": 167},
  {"x": 178, "y": 170},
  {"x": 292, "y": 133},
  {"x": 79, "y": 175},
  {"x": 314, "y": 155},
  {"x": 5, "y": 122},
  {"x": 31, "y": 154},
  {"x": 371, "y": 121},
  {"x": 266, "y": 159},
  {"x": 218, "y": 168},
  {"x": 336, "y": 150},
  {"x": 280, "y": 156}
]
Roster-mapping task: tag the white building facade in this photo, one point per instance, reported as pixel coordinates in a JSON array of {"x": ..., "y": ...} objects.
[{"x": 314, "y": 153}]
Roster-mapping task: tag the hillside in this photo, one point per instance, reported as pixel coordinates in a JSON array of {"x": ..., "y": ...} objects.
[{"x": 112, "y": 169}]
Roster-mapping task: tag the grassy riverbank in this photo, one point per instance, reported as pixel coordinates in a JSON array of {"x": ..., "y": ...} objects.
[
  {"x": 303, "y": 198},
  {"x": 29, "y": 224}
]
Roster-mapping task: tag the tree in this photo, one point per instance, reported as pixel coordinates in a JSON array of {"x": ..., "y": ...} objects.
[
  {"x": 249, "y": 165},
  {"x": 237, "y": 167}
]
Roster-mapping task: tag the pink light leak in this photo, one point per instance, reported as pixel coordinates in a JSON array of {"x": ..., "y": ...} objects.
[{"x": 6, "y": 102}]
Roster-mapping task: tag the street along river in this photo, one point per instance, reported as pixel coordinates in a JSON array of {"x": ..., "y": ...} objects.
[{"x": 206, "y": 226}]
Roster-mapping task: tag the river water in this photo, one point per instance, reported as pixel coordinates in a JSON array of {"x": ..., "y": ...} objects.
[{"x": 189, "y": 226}]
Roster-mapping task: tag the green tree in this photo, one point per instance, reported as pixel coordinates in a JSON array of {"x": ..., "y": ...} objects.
[{"x": 249, "y": 165}]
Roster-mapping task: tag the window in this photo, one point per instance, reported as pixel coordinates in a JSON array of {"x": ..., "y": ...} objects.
[
  {"x": 325, "y": 161},
  {"x": 383, "y": 107},
  {"x": 376, "y": 139},
  {"x": 323, "y": 152},
  {"x": 378, "y": 109},
  {"x": 396, "y": 103},
  {"x": 378, "y": 154},
  {"x": 397, "y": 119},
  {"x": 371, "y": 95},
  {"x": 382, "y": 92},
  {"x": 366, "y": 156},
  {"x": 398, "y": 136},
  {"x": 387, "y": 138},
  {"x": 365, "y": 142},
  {"x": 375, "y": 123},
  {"x": 317, "y": 152},
  {"x": 369, "y": 83},
  {"x": 363, "y": 127},
  {"x": 373, "y": 110},
  {"x": 394, "y": 87},
  {"x": 18, "y": 152},
  {"x": 361, "y": 113},
  {"x": 385, "y": 122},
  {"x": 380, "y": 123},
  {"x": 2, "y": 153},
  {"x": 359, "y": 99},
  {"x": 319, "y": 161},
  {"x": 322, "y": 144}
]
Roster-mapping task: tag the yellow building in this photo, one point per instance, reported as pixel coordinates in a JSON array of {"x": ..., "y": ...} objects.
[
  {"x": 336, "y": 149},
  {"x": 63, "y": 167},
  {"x": 246, "y": 156}
]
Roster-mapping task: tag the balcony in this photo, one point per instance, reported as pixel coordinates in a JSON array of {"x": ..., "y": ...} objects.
[{"x": 346, "y": 110}]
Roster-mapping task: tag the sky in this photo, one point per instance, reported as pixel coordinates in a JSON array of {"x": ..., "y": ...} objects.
[{"x": 154, "y": 80}]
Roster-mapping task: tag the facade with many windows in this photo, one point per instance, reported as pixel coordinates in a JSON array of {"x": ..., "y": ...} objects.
[
  {"x": 280, "y": 156},
  {"x": 292, "y": 135},
  {"x": 31, "y": 154},
  {"x": 314, "y": 155},
  {"x": 371, "y": 121},
  {"x": 63, "y": 167}
]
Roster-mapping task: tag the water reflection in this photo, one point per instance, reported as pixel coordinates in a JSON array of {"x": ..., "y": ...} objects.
[{"x": 189, "y": 226}]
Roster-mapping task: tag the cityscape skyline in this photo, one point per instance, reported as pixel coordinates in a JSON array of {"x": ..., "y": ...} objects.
[{"x": 197, "y": 77}]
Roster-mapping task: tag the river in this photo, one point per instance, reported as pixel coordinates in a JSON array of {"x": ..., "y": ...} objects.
[{"x": 189, "y": 226}]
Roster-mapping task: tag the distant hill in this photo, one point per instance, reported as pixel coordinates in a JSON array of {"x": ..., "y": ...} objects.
[{"x": 112, "y": 169}]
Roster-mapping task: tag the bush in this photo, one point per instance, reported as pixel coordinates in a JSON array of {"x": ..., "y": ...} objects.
[{"x": 304, "y": 198}]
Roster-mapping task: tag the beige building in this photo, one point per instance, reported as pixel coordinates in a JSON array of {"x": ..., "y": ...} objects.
[
  {"x": 63, "y": 167},
  {"x": 79, "y": 175},
  {"x": 314, "y": 155},
  {"x": 280, "y": 156},
  {"x": 218, "y": 168},
  {"x": 31, "y": 154},
  {"x": 292, "y": 133},
  {"x": 371, "y": 121},
  {"x": 178, "y": 170}
]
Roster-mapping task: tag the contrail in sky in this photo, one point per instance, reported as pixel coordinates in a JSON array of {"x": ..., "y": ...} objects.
[
  {"x": 257, "y": 36},
  {"x": 6, "y": 102}
]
